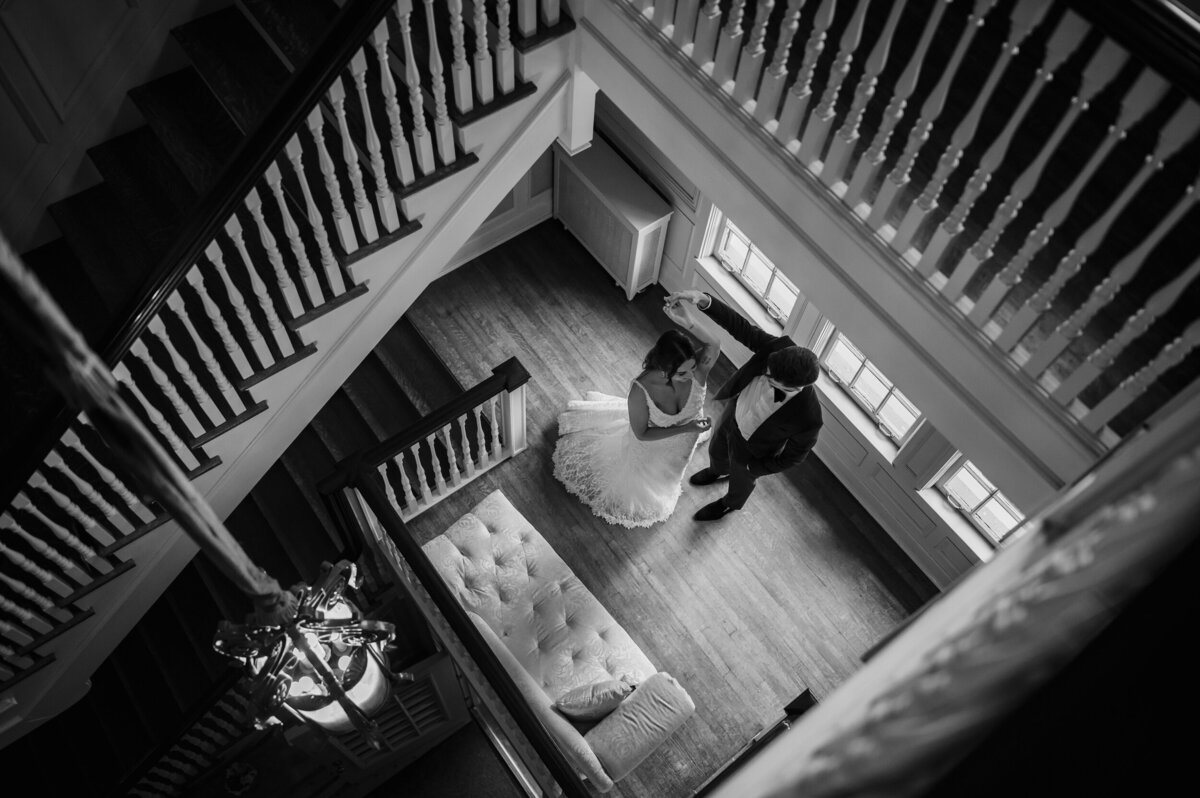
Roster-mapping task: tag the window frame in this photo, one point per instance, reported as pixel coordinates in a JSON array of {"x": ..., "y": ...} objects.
[
  {"x": 727, "y": 227},
  {"x": 831, "y": 340},
  {"x": 956, "y": 464}
]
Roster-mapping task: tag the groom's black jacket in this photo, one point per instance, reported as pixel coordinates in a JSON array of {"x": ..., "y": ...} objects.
[{"x": 787, "y": 435}]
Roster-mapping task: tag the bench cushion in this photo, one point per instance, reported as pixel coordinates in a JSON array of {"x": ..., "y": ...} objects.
[{"x": 502, "y": 570}]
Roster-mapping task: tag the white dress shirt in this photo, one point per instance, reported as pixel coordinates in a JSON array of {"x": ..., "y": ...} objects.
[{"x": 755, "y": 403}]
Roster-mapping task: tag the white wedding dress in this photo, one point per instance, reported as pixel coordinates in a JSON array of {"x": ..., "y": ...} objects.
[{"x": 624, "y": 480}]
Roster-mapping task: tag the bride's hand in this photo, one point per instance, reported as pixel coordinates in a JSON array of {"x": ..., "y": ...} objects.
[
  {"x": 682, "y": 313},
  {"x": 700, "y": 423}
]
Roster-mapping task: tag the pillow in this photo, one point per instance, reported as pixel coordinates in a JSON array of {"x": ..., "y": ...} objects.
[{"x": 594, "y": 701}]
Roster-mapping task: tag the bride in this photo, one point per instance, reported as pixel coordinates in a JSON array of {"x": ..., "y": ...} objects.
[{"x": 625, "y": 457}]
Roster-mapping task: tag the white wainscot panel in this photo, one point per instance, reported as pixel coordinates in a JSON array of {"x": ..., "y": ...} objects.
[{"x": 840, "y": 442}]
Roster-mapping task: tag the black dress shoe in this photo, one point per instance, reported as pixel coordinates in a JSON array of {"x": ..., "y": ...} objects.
[
  {"x": 713, "y": 511},
  {"x": 706, "y": 476}
]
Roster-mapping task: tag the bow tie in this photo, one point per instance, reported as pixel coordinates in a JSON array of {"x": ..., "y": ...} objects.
[{"x": 779, "y": 395}]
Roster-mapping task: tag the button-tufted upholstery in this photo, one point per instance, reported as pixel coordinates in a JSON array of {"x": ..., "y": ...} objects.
[{"x": 555, "y": 635}]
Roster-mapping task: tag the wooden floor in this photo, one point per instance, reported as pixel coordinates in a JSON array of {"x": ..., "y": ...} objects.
[{"x": 746, "y": 612}]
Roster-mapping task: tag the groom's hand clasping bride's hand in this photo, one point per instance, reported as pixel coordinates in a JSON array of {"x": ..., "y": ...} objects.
[
  {"x": 691, "y": 296},
  {"x": 681, "y": 313}
]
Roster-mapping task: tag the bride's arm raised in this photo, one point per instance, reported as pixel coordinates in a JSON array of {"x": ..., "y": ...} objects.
[{"x": 686, "y": 316}]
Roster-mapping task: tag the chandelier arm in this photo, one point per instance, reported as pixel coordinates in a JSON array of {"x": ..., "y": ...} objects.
[{"x": 365, "y": 726}]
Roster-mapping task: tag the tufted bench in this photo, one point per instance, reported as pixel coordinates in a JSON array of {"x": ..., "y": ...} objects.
[{"x": 553, "y": 636}]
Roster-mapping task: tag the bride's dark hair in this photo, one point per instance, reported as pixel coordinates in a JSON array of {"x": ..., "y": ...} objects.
[{"x": 671, "y": 351}]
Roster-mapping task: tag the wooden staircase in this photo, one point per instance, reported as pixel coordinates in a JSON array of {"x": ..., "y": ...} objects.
[{"x": 206, "y": 356}]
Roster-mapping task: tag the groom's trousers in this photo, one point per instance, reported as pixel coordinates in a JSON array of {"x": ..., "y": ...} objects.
[{"x": 728, "y": 453}]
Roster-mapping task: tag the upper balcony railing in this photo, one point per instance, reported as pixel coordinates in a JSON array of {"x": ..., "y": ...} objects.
[{"x": 1036, "y": 175}]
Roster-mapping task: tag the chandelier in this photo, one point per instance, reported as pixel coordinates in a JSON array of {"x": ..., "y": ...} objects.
[{"x": 327, "y": 667}]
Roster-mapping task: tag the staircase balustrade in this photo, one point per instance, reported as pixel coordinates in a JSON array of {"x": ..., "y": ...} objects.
[
  {"x": 1039, "y": 304},
  {"x": 229, "y": 281}
]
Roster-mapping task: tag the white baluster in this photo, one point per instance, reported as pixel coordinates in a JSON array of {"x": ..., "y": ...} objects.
[
  {"x": 362, "y": 208},
  {"x": 427, "y": 492},
  {"x": 44, "y": 604},
  {"x": 291, "y": 297},
  {"x": 1135, "y": 326},
  {"x": 295, "y": 154},
  {"x": 708, "y": 25},
  {"x": 175, "y": 302},
  {"x": 435, "y": 463},
  {"x": 1025, "y": 16},
  {"x": 1181, "y": 126},
  {"x": 468, "y": 461},
  {"x": 401, "y": 158},
  {"x": 51, "y": 582},
  {"x": 685, "y": 22},
  {"x": 728, "y": 44},
  {"x": 308, "y": 277},
  {"x": 64, "y": 565},
  {"x": 261, "y": 350},
  {"x": 441, "y": 117},
  {"x": 234, "y": 229},
  {"x": 15, "y": 636},
  {"x": 494, "y": 406},
  {"x": 750, "y": 62},
  {"x": 1136, "y": 384},
  {"x": 527, "y": 17},
  {"x": 506, "y": 69},
  {"x": 384, "y": 200},
  {"x": 816, "y": 131},
  {"x": 480, "y": 441},
  {"x": 182, "y": 451},
  {"x": 26, "y": 617},
  {"x": 767, "y": 101},
  {"x": 1066, "y": 37},
  {"x": 1146, "y": 92},
  {"x": 410, "y": 499},
  {"x": 158, "y": 328},
  {"x": 421, "y": 140},
  {"x": 796, "y": 102},
  {"x": 460, "y": 70},
  {"x": 843, "y": 143},
  {"x": 451, "y": 457},
  {"x": 342, "y": 223},
  {"x": 870, "y": 162},
  {"x": 663, "y": 15},
  {"x": 55, "y": 462},
  {"x": 38, "y": 481},
  {"x": 930, "y": 110},
  {"x": 1105, "y": 290},
  {"x": 140, "y": 352},
  {"x": 23, "y": 503},
  {"x": 195, "y": 279},
  {"x": 137, "y": 511},
  {"x": 1102, "y": 68},
  {"x": 483, "y": 59},
  {"x": 388, "y": 490}
]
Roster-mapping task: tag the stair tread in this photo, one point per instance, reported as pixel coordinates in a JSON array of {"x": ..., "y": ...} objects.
[
  {"x": 102, "y": 237},
  {"x": 296, "y": 27},
  {"x": 416, "y": 367},
  {"x": 191, "y": 124},
  {"x": 379, "y": 399},
  {"x": 124, "y": 730},
  {"x": 149, "y": 185},
  {"x": 300, "y": 530},
  {"x": 253, "y": 531},
  {"x": 61, "y": 273},
  {"x": 341, "y": 427},
  {"x": 153, "y": 699},
  {"x": 197, "y": 613},
  {"x": 235, "y": 62},
  {"x": 309, "y": 462},
  {"x": 175, "y": 653}
]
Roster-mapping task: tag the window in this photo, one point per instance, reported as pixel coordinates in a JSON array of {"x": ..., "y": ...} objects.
[
  {"x": 973, "y": 495},
  {"x": 862, "y": 379},
  {"x": 755, "y": 271}
]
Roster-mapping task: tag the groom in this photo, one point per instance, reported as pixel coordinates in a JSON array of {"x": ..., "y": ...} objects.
[{"x": 774, "y": 417}]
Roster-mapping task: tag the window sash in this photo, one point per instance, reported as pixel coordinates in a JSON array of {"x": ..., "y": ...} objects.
[
  {"x": 988, "y": 510},
  {"x": 881, "y": 406},
  {"x": 768, "y": 285}
]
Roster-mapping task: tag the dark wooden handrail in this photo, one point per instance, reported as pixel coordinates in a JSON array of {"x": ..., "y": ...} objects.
[
  {"x": 302, "y": 92},
  {"x": 507, "y": 376},
  {"x": 562, "y": 771}
]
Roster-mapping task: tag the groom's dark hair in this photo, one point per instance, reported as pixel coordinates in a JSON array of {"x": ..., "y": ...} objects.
[
  {"x": 671, "y": 351},
  {"x": 794, "y": 366}
]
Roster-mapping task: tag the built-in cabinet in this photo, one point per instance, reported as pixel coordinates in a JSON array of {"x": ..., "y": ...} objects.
[{"x": 613, "y": 212}]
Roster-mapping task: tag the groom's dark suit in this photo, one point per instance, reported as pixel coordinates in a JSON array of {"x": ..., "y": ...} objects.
[{"x": 783, "y": 439}]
